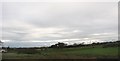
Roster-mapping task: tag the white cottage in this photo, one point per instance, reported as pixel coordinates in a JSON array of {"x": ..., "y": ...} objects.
[{"x": 2, "y": 50}]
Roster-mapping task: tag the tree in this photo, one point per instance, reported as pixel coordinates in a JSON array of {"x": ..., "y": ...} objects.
[
  {"x": 53, "y": 46},
  {"x": 59, "y": 45}
]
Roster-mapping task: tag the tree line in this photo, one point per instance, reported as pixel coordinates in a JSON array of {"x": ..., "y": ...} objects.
[
  {"x": 103, "y": 44},
  {"x": 64, "y": 45}
]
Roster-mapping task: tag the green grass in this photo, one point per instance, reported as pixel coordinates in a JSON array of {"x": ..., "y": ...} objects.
[
  {"x": 94, "y": 52},
  {"x": 50, "y": 53}
]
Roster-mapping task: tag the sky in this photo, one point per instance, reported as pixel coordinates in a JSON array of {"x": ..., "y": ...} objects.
[{"x": 33, "y": 24}]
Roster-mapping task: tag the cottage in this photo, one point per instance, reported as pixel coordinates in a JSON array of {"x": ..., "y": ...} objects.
[{"x": 2, "y": 50}]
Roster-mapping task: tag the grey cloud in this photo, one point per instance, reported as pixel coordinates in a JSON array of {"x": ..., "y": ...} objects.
[{"x": 19, "y": 19}]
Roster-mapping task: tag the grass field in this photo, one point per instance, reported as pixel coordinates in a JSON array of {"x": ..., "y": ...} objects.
[{"x": 64, "y": 53}]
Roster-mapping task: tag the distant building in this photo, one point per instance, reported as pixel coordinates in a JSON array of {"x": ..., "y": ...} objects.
[
  {"x": 3, "y": 51},
  {"x": 1, "y": 45}
]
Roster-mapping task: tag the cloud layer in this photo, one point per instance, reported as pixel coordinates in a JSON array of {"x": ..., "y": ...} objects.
[{"x": 70, "y": 22}]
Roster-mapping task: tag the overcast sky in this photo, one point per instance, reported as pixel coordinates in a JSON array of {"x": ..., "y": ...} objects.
[{"x": 45, "y": 23}]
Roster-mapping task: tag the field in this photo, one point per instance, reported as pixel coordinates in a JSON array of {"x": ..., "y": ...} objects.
[{"x": 63, "y": 53}]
